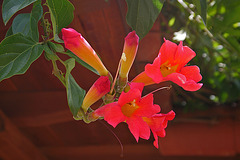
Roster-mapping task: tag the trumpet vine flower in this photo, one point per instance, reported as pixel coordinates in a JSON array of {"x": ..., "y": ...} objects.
[
  {"x": 140, "y": 113},
  {"x": 130, "y": 108},
  {"x": 81, "y": 48},
  {"x": 158, "y": 123},
  {"x": 96, "y": 92},
  {"x": 170, "y": 65}
]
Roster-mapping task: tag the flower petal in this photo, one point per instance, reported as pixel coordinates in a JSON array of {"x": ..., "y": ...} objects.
[
  {"x": 138, "y": 86},
  {"x": 129, "y": 96},
  {"x": 167, "y": 117},
  {"x": 161, "y": 133},
  {"x": 180, "y": 79},
  {"x": 143, "y": 78},
  {"x": 177, "y": 78},
  {"x": 138, "y": 127},
  {"x": 170, "y": 115},
  {"x": 183, "y": 55},
  {"x": 192, "y": 86},
  {"x": 155, "y": 122},
  {"x": 153, "y": 70},
  {"x": 167, "y": 51},
  {"x": 191, "y": 73},
  {"x": 155, "y": 143},
  {"x": 112, "y": 113},
  {"x": 146, "y": 107}
]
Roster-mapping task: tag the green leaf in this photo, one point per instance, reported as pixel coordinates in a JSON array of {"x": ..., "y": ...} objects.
[
  {"x": 234, "y": 43},
  {"x": 75, "y": 94},
  {"x": 49, "y": 54},
  {"x": 70, "y": 64},
  {"x": 27, "y": 23},
  {"x": 56, "y": 47},
  {"x": 9, "y": 32},
  {"x": 17, "y": 53},
  {"x": 10, "y": 7},
  {"x": 142, "y": 14},
  {"x": 84, "y": 64},
  {"x": 35, "y": 16},
  {"x": 61, "y": 12},
  {"x": 21, "y": 24},
  {"x": 50, "y": 49},
  {"x": 201, "y": 6}
]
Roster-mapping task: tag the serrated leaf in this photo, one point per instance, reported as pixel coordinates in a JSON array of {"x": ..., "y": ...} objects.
[
  {"x": 142, "y": 14},
  {"x": 201, "y": 6},
  {"x": 75, "y": 94},
  {"x": 10, "y": 7},
  {"x": 27, "y": 23},
  {"x": 84, "y": 64},
  {"x": 61, "y": 12},
  {"x": 17, "y": 53}
]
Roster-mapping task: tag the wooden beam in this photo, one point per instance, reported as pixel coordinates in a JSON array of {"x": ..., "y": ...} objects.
[
  {"x": 15, "y": 104},
  {"x": 130, "y": 152},
  {"x": 139, "y": 151},
  {"x": 14, "y": 145},
  {"x": 43, "y": 119}
]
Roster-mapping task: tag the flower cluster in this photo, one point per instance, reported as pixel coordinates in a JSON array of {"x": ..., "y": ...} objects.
[{"x": 123, "y": 100}]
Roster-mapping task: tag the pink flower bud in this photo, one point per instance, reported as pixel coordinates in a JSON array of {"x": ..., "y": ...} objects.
[
  {"x": 97, "y": 91},
  {"x": 130, "y": 50},
  {"x": 81, "y": 48}
]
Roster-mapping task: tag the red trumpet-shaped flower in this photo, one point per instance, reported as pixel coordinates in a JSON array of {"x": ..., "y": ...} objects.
[
  {"x": 131, "y": 108},
  {"x": 158, "y": 123},
  {"x": 170, "y": 65},
  {"x": 96, "y": 92},
  {"x": 80, "y": 47}
]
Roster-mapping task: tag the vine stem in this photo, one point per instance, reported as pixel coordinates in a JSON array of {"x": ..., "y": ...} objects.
[
  {"x": 161, "y": 88},
  {"x": 57, "y": 73},
  {"x": 44, "y": 28},
  {"x": 119, "y": 141},
  {"x": 115, "y": 79},
  {"x": 197, "y": 19}
]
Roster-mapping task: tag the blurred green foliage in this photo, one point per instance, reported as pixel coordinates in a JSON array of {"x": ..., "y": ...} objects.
[{"x": 217, "y": 46}]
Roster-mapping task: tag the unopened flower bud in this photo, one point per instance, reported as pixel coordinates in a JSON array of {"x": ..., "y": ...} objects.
[
  {"x": 96, "y": 92},
  {"x": 81, "y": 48},
  {"x": 130, "y": 50}
]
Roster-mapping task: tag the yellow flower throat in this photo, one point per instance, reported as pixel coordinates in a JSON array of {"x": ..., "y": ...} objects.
[
  {"x": 167, "y": 69},
  {"x": 129, "y": 108}
]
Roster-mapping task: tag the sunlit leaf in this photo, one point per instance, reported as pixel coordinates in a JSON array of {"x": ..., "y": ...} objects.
[
  {"x": 201, "y": 6},
  {"x": 142, "y": 14}
]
